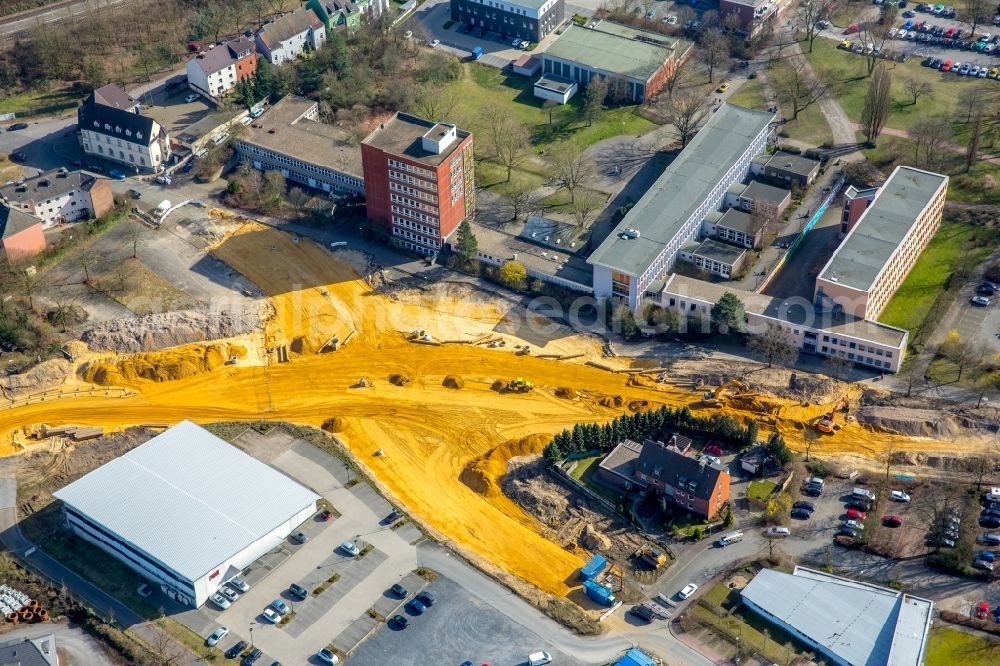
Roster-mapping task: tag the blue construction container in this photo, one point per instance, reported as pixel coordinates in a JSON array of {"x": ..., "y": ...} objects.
[
  {"x": 593, "y": 568},
  {"x": 599, "y": 593}
]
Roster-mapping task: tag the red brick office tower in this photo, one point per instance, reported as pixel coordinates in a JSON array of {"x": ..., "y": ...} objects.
[{"x": 418, "y": 181}]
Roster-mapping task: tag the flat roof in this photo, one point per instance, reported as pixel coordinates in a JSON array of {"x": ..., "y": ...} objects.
[
  {"x": 210, "y": 124},
  {"x": 796, "y": 164},
  {"x": 616, "y": 48},
  {"x": 757, "y": 190},
  {"x": 724, "y": 253},
  {"x": 554, "y": 83},
  {"x": 793, "y": 311},
  {"x": 882, "y": 227},
  {"x": 565, "y": 264},
  {"x": 167, "y": 498},
  {"x": 858, "y": 622},
  {"x": 681, "y": 189},
  {"x": 284, "y": 129},
  {"x": 735, "y": 219},
  {"x": 402, "y": 135}
]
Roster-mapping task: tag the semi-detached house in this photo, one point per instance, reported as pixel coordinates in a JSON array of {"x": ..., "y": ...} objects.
[
  {"x": 291, "y": 35},
  {"x": 217, "y": 71}
]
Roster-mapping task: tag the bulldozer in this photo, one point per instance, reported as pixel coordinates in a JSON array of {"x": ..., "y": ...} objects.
[
  {"x": 521, "y": 385},
  {"x": 714, "y": 398},
  {"x": 828, "y": 423},
  {"x": 652, "y": 557}
]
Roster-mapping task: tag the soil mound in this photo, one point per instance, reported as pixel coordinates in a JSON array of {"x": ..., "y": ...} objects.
[
  {"x": 169, "y": 329},
  {"x": 399, "y": 379},
  {"x": 45, "y": 375},
  {"x": 335, "y": 424},
  {"x": 482, "y": 474},
  {"x": 612, "y": 401},
  {"x": 568, "y": 393},
  {"x": 454, "y": 381},
  {"x": 163, "y": 366},
  {"x": 909, "y": 421},
  {"x": 594, "y": 541},
  {"x": 636, "y": 405},
  {"x": 497, "y": 386}
]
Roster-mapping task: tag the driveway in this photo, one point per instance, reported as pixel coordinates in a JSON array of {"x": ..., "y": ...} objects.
[{"x": 75, "y": 646}]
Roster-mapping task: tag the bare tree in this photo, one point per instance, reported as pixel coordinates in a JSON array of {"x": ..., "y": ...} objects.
[
  {"x": 593, "y": 99},
  {"x": 519, "y": 198},
  {"x": 910, "y": 375},
  {"x": 971, "y": 100},
  {"x": 873, "y": 35},
  {"x": 714, "y": 51},
  {"x": 435, "y": 101},
  {"x": 773, "y": 344},
  {"x": 764, "y": 221},
  {"x": 799, "y": 89},
  {"x": 62, "y": 309},
  {"x": 930, "y": 137},
  {"x": 571, "y": 166},
  {"x": 687, "y": 113},
  {"x": 27, "y": 279},
  {"x": 549, "y": 106},
  {"x": 135, "y": 231},
  {"x": 676, "y": 76},
  {"x": 962, "y": 353},
  {"x": 918, "y": 89},
  {"x": 838, "y": 366},
  {"x": 888, "y": 456},
  {"x": 808, "y": 15},
  {"x": 87, "y": 259},
  {"x": 977, "y": 13},
  {"x": 877, "y": 99},
  {"x": 507, "y": 140},
  {"x": 972, "y": 144},
  {"x": 585, "y": 206},
  {"x": 984, "y": 466}
]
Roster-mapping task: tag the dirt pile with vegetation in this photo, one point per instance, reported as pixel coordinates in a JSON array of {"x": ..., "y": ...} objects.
[
  {"x": 163, "y": 366},
  {"x": 169, "y": 329}
]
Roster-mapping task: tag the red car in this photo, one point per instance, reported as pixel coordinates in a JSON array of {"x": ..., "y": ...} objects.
[
  {"x": 892, "y": 521},
  {"x": 713, "y": 449},
  {"x": 326, "y": 514},
  {"x": 983, "y": 610},
  {"x": 854, "y": 514}
]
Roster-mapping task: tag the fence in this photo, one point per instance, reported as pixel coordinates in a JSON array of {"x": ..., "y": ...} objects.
[{"x": 42, "y": 396}]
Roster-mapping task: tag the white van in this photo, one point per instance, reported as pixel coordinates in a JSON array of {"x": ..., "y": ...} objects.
[
  {"x": 730, "y": 538},
  {"x": 777, "y": 532},
  {"x": 539, "y": 658},
  {"x": 993, "y": 495},
  {"x": 863, "y": 493}
]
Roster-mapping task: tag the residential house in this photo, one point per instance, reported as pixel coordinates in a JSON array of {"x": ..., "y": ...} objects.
[
  {"x": 217, "y": 71},
  {"x": 346, "y": 14},
  {"x": 696, "y": 485},
  {"x": 59, "y": 196},
  {"x": 38, "y": 650},
  {"x": 112, "y": 95},
  {"x": 21, "y": 234},
  {"x": 121, "y": 134},
  {"x": 291, "y": 35}
]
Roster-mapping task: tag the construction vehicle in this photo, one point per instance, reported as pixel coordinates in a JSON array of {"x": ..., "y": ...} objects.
[
  {"x": 521, "y": 385},
  {"x": 714, "y": 398},
  {"x": 653, "y": 557},
  {"x": 829, "y": 421}
]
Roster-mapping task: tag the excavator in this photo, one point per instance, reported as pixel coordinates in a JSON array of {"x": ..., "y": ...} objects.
[
  {"x": 714, "y": 398},
  {"x": 829, "y": 421}
]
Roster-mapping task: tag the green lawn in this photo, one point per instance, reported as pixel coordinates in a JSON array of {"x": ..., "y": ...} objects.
[
  {"x": 848, "y": 73},
  {"x": 947, "y": 646},
  {"x": 750, "y": 95},
  {"x": 585, "y": 471},
  {"x": 718, "y": 595},
  {"x": 483, "y": 87},
  {"x": 749, "y": 629},
  {"x": 583, "y": 466},
  {"x": 811, "y": 126},
  {"x": 36, "y": 100},
  {"x": 953, "y": 245},
  {"x": 760, "y": 490}
]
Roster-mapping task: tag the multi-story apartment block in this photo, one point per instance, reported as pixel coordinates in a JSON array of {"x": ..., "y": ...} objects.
[
  {"x": 755, "y": 15},
  {"x": 59, "y": 196},
  {"x": 419, "y": 180},
  {"x": 856, "y": 202},
  {"x": 121, "y": 134},
  {"x": 527, "y": 19},
  {"x": 289, "y": 138},
  {"x": 217, "y": 71},
  {"x": 637, "y": 62},
  {"x": 641, "y": 250},
  {"x": 290, "y": 35},
  {"x": 884, "y": 243}
]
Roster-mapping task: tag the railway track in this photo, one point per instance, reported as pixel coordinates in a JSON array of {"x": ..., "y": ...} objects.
[{"x": 19, "y": 25}]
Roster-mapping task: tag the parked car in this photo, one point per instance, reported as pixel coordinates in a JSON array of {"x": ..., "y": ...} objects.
[
  {"x": 235, "y": 650},
  {"x": 271, "y": 615},
  {"x": 899, "y": 496},
  {"x": 803, "y": 504},
  {"x": 987, "y": 555},
  {"x": 858, "y": 503},
  {"x": 299, "y": 537},
  {"x": 398, "y": 590},
  {"x": 434, "y": 43},
  {"x": 801, "y": 514},
  {"x": 17, "y": 126},
  {"x": 723, "y": 88},
  {"x": 216, "y": 636},
  {"x": 892, "y": 521},
  {"x": 239, "y": 584},
  {"x": 983, "y": 610},
  {"x": 688, "y": 590},
  {"x": 714, "y": 450},
  {"x": 986, "y": 289},
  {"x": 855, "y": 525},
  {"x": 416, "y": 606},
  {"x": 400, "y": 621},
  {"x": 116, "y": 174},
  {"x": 944, "y": 542},
  {"x": 777, "y": 532},
  {"x": 854, "y": 514},
  {"x": 163, "y": 180},
  {"x": 297, "y": 591},
  {"x": 812, "y": 491},
  {"x": 990, "y": 522},
  {"x": 280, "y": 606},
  {"x": 394, "y": 516},
  {"x": 847, "y": 531},
  {"x": 229, "y": 593},
  {"x": 980, "y": 301},
  {"x": 252, "y": 657},
  {"x": 327, "y": 656},
  {"x": 190, "y": 98},
  {"x": 426, "y": 598},
  {"x": 220, "y": 601},
  {"x": 350, "y": 548},
  {"x": 983, "y": 565},
  {"x": 326, "y": 515}
]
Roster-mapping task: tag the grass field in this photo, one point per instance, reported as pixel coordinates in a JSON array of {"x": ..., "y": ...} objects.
[
  {"x": 483, "y": 87},
  {"x": 848, "y": 73},
  {"x": 953, "y": 245},
  {"x": 34, "y": 101},
  {"x": 583, "y": 466},
  {"x": 760, "y": 490},
  {"x": 947, "y": 646},
  {"x": 750, "y": 95},
  {"x": 811, "y": 126}
]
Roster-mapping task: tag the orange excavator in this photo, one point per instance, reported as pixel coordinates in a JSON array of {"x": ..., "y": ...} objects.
[{"x": 829, "y": 421}]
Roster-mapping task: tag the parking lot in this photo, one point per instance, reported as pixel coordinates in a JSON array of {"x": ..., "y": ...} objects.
[
  {"x": 358, "y": 583},
  {"x": 979, "y": 325},
  {"x": 167, "y": 106}
]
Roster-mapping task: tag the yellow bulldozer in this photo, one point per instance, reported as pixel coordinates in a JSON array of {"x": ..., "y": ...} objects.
[{"x": 521, "y": 385}]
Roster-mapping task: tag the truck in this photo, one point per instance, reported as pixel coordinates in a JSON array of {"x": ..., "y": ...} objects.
[
  {"x": 477, "y": 53},
  {"x": 599, "y": 593}
]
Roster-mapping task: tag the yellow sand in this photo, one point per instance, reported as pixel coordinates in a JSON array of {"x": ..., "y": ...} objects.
[{"x": 443, "y": 448}]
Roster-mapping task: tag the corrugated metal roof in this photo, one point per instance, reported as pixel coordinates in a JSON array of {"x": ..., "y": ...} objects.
[
  {"x": 862, "y": 624},
  {"x": 188, "y": 499},
  {"x": 881, "y": 229}
]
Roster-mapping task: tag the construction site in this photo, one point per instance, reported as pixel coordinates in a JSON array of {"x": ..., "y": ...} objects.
[{"x": 433, "y": 392}]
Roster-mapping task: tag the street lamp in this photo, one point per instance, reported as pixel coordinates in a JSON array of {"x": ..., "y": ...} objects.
[
  {"x": 251, "y": 635},
  {"x": 737, "y": 650}
]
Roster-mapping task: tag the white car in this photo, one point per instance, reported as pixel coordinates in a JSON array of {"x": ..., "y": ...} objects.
[
  {"x": 239, "y": 584},
  {"x": 350, "y": 548},
  {"x": 217, "y": 636},
  {"x": 220, "y": 601},
  {"x": 190, "y": 98},
  {"x": 163, "y": 180},
  {"x": 228, "y": 593},
  {"x": 777, "y": 532},
  {"x": 271, "y": 615},
  {"x": 688, "y": 590},
  {"x": 524, "y": 44},
  {"x": 899, "y": 496},
  {"x": 327, "y": 656},
  {"x": 891, "y": 33},
  {"x": 539, "y": 659},
  {"x": 854, "y": 525},
  {"x": 435, "y": 42},
  {"x": 672, "y": 20},
  {"x": 516, "y": 42}
]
